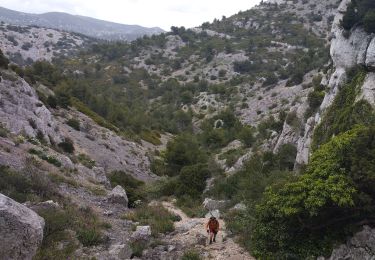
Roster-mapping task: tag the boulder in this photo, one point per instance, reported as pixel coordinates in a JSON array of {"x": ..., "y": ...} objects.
[
  {"x": 211, "y": 204},
  {"x": 188, "y": 225},
  {"x": 118, "y": 195},
  {"x": 360, "y": 246},
  {"x": 120, "y": 251},
  {"x": 21, "y": 230},
  {"x": 213, "y": 213},
  {"x": 239, "y": 207},
  {"x": 141, "y": 233}
]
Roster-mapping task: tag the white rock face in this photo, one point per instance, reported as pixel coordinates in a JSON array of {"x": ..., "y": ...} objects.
[
  {"x": 42, "y": 43},
  {"x": 357, "y": 49},
  {"x": 141, "y": 233},
  {"x": 214, "y": 213},
  {"x": 118, "y": 195},
  {"x": 22, "y": 112},
  {"x": 21, "y": 230},
  {"x": 211, "y": 204},
  {"x": 347, "y": 53},
  {"x": 368, "y": 89},
  {"x": 370, "y": 55}
]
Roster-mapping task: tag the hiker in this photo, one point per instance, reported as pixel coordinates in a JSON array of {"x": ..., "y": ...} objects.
[{"x": 212, "y": 228}]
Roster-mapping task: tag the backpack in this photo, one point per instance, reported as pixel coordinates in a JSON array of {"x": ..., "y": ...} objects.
[{"x": 213, "y": 224}]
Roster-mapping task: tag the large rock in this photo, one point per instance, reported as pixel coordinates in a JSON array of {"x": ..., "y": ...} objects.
[
  {"x": 21, "y": 230},
  {"x": 360, "y": 246},
  {"x": 118, "y": 195},
  {"x": 214, "y": 213},
  {"x": 211, "y": 204},
  {"x": 141, "y": 233},
  {"x": 120, "y": 251}
]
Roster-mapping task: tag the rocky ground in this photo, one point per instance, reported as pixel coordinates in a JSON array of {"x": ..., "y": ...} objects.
[{"x": 191, "y": 232}]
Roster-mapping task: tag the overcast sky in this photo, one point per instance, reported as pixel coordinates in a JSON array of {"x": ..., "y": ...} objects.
[{"x": 149, "y": 13}]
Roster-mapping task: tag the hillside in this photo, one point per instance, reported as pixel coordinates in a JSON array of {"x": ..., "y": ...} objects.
[
  {"x": 265, "y": 118},
  {"x": 79, "y": 24}
]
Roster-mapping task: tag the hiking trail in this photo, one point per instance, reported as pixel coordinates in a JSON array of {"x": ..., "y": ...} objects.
[{"x": 190, "y": 228}]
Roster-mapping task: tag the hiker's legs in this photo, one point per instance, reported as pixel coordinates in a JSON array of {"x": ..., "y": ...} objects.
[
  {"x": 211, "y": 236},
  {"x": 214, "y": 233}
]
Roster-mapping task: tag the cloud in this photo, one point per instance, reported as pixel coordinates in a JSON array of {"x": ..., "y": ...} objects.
[{"x": 162, "y": 13}]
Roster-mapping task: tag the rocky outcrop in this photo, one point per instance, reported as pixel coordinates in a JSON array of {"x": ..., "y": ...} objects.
[
  {"x": 22, "y": 112},
  {"x": 118, "y": 195},
  {"x": 211, "y": 204},
  {"x": 21, "y": 230},
  {"x": 141, "y": 233},
  {"x": 120, "y": 251},
  {"x": 347, "y": 51},
  {"x": 360, "y": 246}
]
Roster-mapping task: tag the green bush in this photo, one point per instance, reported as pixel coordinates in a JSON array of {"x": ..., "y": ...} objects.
[
  {"x": 3, "y": 61},
  {"x": 360, "y": 12},
  {"x": 336, "y": 183},
  {"x": 67, "y": 145},
  {"x": 89, "y": 236},
  {"x": 74, "y": 123},
  {"x": 86, "y": 161},
  {"x": 183, "y": 151},
  {"x": 191, "y": 255},
  {"x": 138, "y": 247}
]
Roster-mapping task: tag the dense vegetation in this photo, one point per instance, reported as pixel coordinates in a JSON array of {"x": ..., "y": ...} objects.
[
  {"x": 305, "y": 217},
  {"x": 360, "y": 12}
]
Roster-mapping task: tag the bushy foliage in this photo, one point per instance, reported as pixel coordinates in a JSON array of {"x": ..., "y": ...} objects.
[
  {"x": 74, "y": 123},
  {"x": 183, "y": 151},
  {"x": 3, "y": 61},
  {"x": 67, "y": 145},
  {"x": 304, "y": 218},
  {"x": 360, "y": 12}
]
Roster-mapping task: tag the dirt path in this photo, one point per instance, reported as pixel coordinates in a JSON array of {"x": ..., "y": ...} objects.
[{"x": 191, "y": 228}]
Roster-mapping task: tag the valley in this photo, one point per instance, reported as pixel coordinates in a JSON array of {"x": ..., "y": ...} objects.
[{"x": 124, "y": 149}]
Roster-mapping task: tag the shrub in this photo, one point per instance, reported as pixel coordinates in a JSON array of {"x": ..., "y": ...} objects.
[
  {"x": 3, "y": 61},
  {"x": 89, "y": 236},
  {"x": 86, "y": 161},
  {"x": 191, "y": 255},
  {"x": 52, "y": 101},
  {"x": 183, "y": 151},
  {"x": 74, "y": 123},
  {"x": 137, "y": 247},
  {"x": 246, "y": 135},
  {"x": 192, "y": 180},
  {"x": 67, "y": 145}
]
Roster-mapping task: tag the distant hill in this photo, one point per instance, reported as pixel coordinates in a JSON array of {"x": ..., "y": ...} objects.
[{"x": 79, "y": 24}]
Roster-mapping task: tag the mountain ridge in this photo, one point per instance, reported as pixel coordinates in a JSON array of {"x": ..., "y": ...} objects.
[{"x": 89, "y": 26}]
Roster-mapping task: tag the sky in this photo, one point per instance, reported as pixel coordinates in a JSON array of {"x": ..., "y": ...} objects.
[{"x": 148, "y": 13}]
